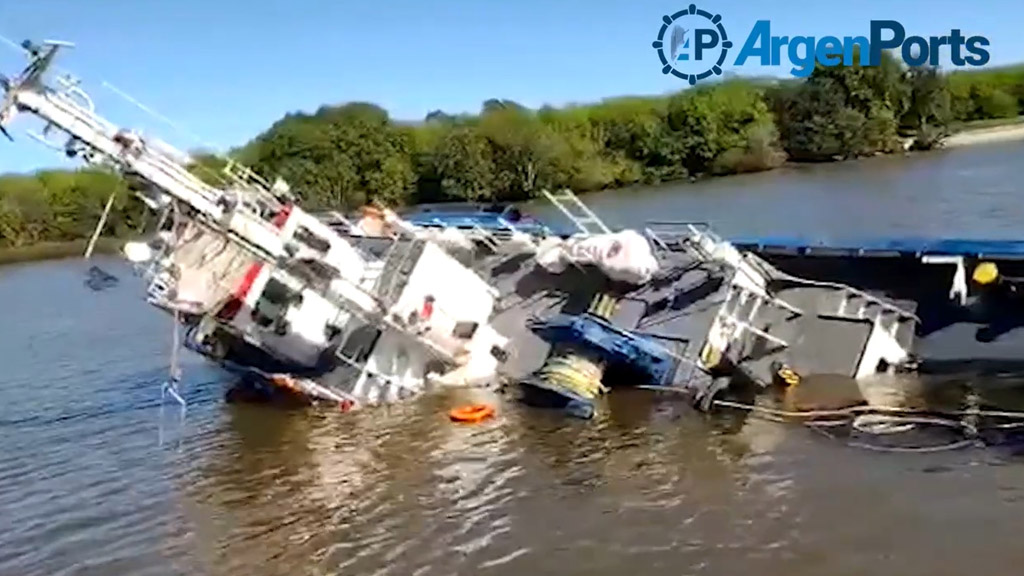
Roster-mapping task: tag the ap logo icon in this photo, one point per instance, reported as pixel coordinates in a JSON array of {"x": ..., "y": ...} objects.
[{"x": 696, "y": 45}]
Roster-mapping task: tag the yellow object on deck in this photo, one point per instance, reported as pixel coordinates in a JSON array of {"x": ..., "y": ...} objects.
[
  {"x": 603, "y": 305},
  {"x": 710, "y": 356},
  {"x": 573, "y": 370},
  {"x": 788, "y": 377},
  {"x": 985, "y": 273}
]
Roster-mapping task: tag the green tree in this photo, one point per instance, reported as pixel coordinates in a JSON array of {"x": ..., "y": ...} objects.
[
  {"x": 464, "y": 164},
  {"x": 339, "y": 157},
  {"x": 342, "y": 156},
  {"x": 929, "y": 110}
]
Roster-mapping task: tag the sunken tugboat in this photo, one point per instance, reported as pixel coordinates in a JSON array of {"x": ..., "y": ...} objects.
[
  {"x": 676, "y": 307},
  {"x": 332, "y": 312}
]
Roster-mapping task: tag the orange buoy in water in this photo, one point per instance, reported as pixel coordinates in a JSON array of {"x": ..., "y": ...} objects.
[{"x": 471, "y": 414}]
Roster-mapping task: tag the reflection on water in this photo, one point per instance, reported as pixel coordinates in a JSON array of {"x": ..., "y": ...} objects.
[{"x": 649, "y": 487}]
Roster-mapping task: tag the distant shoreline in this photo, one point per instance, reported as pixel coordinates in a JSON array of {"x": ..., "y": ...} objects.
[
  {"x": 986, "y": 133},
  {"x": 56, "y": 250}
]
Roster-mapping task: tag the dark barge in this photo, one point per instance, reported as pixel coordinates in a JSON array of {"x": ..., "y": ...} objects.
[{"x": 968, "y": 294}]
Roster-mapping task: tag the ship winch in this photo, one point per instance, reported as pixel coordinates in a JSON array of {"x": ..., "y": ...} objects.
[{"x": 585, "y": 349}]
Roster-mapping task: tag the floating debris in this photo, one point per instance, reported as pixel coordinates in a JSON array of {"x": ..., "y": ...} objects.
[{"x": 98, "y": 279}]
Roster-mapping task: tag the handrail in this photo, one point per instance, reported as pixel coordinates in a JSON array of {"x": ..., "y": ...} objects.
[
  {"x": 865, "y": 295},
  {"x": 486, "y": 237},
  {"x": 695, "y": 228},
  {"x": 777, "y": 301},
  {"x": 698, "y": 230},
  {"x": 745, "y": 326},
  {"x": 681, "y": 223}
]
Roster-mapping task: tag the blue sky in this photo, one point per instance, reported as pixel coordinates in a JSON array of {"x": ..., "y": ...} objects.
[{"x": 226, "y": 69}]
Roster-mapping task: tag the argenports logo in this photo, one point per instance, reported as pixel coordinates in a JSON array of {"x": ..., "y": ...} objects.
[
  {"x": 692, "y": 45},
  {"x": 697, "y": 44},
  {"x": 803, "y": 52}
]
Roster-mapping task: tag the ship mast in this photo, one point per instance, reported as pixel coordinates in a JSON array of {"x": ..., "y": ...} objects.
[
  {"x": 242, "y": 211},
  {"x": 67, "y": 110}
]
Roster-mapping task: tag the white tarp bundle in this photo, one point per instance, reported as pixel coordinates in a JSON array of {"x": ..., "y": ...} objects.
[
  {"x": 624, "y": 256},
  {"x": 448, "y": 238}
]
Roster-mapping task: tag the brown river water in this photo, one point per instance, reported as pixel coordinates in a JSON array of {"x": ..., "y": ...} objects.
[{"x": 93, "y": 480}]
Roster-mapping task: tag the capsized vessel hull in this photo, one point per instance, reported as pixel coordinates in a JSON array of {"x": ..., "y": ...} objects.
[
  {"x": 709, "y": 316},
  {"x": 261, "y": 284}
]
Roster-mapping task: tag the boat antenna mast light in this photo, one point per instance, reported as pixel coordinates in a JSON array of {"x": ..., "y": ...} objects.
[
  {"x": 40, "y": 60},
  {"x": 68, "y": 111},
  {"x": 230, "y": 213}
]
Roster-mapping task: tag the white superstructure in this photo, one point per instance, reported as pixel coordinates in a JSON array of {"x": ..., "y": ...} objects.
[{"x": 253, "y": 273}]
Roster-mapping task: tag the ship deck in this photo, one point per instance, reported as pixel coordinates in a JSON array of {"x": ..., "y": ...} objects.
[{"x": 885, "y": 247}]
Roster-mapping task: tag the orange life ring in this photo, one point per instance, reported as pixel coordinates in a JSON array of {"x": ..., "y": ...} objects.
[{"x": 471, "y": 414}]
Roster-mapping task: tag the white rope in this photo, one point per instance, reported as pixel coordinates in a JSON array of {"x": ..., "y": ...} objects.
[
  {"x": 175, "y": 345},
  {"x": 170, "y": 387}
]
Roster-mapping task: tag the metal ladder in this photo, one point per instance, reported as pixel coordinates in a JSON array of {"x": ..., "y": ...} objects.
[
  {"x": 849, "y": 293},
  {"x": 393, "y": 269},
  {"x": 692, "y": 236},
  {"x": 731, "y": 313},
  {"x": 583, "y": 218},
  {"x": 371, "y": 273},
  {"x": 486, "y": 238}
]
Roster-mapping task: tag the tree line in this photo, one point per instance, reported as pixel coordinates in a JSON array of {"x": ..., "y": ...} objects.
[{"x": 343, "y": 156}]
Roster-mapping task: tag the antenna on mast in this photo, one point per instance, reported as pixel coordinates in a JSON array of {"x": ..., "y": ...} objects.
[
  {"x": 41, "y": 58},
  {"x": 226, "y": 176},
  {"x": 181, "y": 129}
]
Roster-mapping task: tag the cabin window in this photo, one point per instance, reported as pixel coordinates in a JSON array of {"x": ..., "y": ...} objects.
[
  {"x": 317, "y": 274},
  {"x": 360, "y": 342},
  {"x": 372, "y": 248},
  {"x": 464, "y": 330},
  {"x": 314, "y": 241},
  {"x": 273, "y": 304}
]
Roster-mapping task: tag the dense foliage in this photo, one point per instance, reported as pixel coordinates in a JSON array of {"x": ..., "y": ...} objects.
[{"x": 343, "y": 156}]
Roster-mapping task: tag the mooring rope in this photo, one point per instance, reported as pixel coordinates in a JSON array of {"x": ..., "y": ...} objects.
[
  {"x": 853, "y": 410},
  {"x": 949, "y": 446},
  {"x": 861, "y": 417},
  {"x": 905, "y": 418},
  {"x": 574, "y": 370}
]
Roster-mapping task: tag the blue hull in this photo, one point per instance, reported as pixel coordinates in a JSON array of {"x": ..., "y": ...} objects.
[{"x": 497, "y": 219}]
